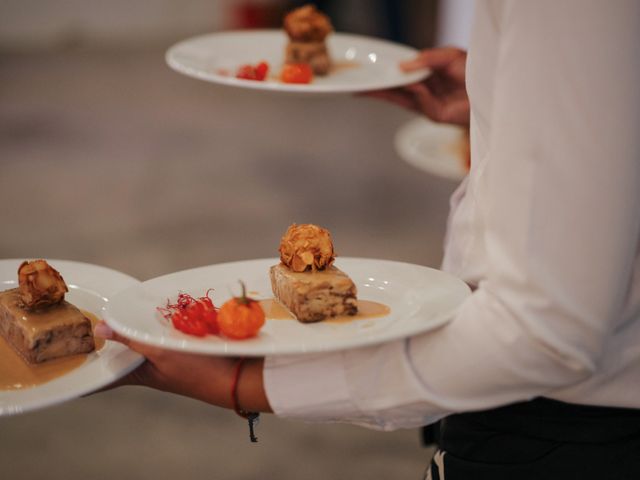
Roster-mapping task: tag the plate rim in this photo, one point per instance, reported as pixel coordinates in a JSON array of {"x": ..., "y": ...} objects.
[
  {"x": 277, "y": 87},
  {"x": 10, "y": 401},
  {"x": 222, "y": 349}
]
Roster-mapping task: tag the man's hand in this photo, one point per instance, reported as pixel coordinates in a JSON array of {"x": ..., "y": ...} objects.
[{"x": 442, "y": 96}]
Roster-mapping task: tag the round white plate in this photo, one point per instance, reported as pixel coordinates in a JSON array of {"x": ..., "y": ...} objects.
[
  {"x": 90, "y": 288},
  {"x": 435, "y": 148},
  {"x": 362, "y": 63},
  {"x": 420, "y": 299}
]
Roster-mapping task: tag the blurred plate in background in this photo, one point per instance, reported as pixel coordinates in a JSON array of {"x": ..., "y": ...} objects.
[
  {"x": 361, "y": 63},
  {"x": 435, "y": 148}
]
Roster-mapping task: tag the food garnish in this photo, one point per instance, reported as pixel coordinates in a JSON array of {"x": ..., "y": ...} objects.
[
  {"x": 241, "y": 317},
  {"x": 306, "y": 247},
  {"x": 194, "y": 316},
  {"x": 307, "y": 24},
  {"x": 40, "y": 284},
  {"x": 253, "y": 72},
  {"x": 296, "y": 73},
  {"x": 306, "y": 282}
]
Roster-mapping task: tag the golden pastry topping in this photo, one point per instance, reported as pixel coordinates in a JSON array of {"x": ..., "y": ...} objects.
[
  {"x": 306, "y": 247},
  {"x": 40, "y": 284},
  {"x": 307, "y": 24}
]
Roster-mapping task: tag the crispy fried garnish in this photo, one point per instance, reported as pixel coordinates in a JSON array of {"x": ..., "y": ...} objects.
[
  {"x": 306, "y": 247},
  {"x": 307, "y": 24},
  {"x": 40, "y": 284}
]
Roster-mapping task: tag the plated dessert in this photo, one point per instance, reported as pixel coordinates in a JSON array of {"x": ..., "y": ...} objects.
[
  {"x": 258, "y": 60},
  {"x": 393, "y": 300},
  {"x": 27, "y": 386},
  {"x": 42, "y": 335},
  {"x": 37, "y": 322},
  {"x": 306, "y": 285},
  {"x": 307, "y": 30},
  {"x": 306, "y": 282},
  {"x": 306, "y": 52}
]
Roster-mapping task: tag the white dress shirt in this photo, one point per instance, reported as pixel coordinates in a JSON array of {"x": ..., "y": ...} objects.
[{"x": 547, "y": 226}]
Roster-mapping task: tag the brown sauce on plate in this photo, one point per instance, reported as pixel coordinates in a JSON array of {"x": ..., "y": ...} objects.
[
  {"x": 16, "y": 374},
  {"x": 343, "y": 65},
  {"x": 274, "y": 310}
]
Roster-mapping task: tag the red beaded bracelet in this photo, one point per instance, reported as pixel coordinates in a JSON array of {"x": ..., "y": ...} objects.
[{"x": 252, "y": 417}]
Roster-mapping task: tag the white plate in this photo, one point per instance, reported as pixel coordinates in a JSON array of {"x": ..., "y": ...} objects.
[
  {"x": 372, "y": 63},
  {"x": 420, "y": 298},
  {"x": 435, "y": 148},
  {"x": 90, "y": 288}
]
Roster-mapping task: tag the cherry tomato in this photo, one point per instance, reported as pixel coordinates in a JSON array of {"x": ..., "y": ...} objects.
[
  {"x": 241, "y": 317},
  {"x": 296, "y": 73},
  {"x": 251, "y": 72}
]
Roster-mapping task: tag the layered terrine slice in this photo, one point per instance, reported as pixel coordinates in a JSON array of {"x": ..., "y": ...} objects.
[
  {"x": 314, "y": 296},
  {"x": 42, "y": 334}
]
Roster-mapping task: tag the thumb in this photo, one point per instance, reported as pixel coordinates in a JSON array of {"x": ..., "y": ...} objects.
[{"x": 103, "y": 330}]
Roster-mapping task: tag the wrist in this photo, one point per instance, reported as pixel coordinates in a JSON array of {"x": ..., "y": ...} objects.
[{"x": 250, "y": 392}]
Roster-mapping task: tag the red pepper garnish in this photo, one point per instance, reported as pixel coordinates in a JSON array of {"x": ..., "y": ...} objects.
[
  {"x": 253, "y": 72},
  {"x": 195, "y": 316}
]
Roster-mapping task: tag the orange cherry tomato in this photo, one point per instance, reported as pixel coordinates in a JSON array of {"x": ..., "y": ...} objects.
[
  {"x": 296, "y": 73},
  {"x": 241, "y": 317}
]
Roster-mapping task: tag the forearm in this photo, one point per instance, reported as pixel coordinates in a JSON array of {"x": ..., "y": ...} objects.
[
  {"x": 227, "y": 379},
  {"x": 210, "y": 379}
]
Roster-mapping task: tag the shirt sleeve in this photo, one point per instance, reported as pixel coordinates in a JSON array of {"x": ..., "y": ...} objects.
[{"x": 561, "y": 205}]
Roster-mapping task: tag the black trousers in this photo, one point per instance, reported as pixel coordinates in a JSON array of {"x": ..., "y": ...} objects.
[{"x": 542, "y": 439}]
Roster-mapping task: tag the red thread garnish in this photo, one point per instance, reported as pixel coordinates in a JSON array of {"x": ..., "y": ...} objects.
[{"x": 195, "y": 316}]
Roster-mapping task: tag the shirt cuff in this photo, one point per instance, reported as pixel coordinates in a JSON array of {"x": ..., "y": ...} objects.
[{"x": 310, "y": 388}]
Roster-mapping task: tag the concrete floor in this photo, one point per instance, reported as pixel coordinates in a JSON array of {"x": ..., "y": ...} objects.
[{"x": 109, "y": 157}]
